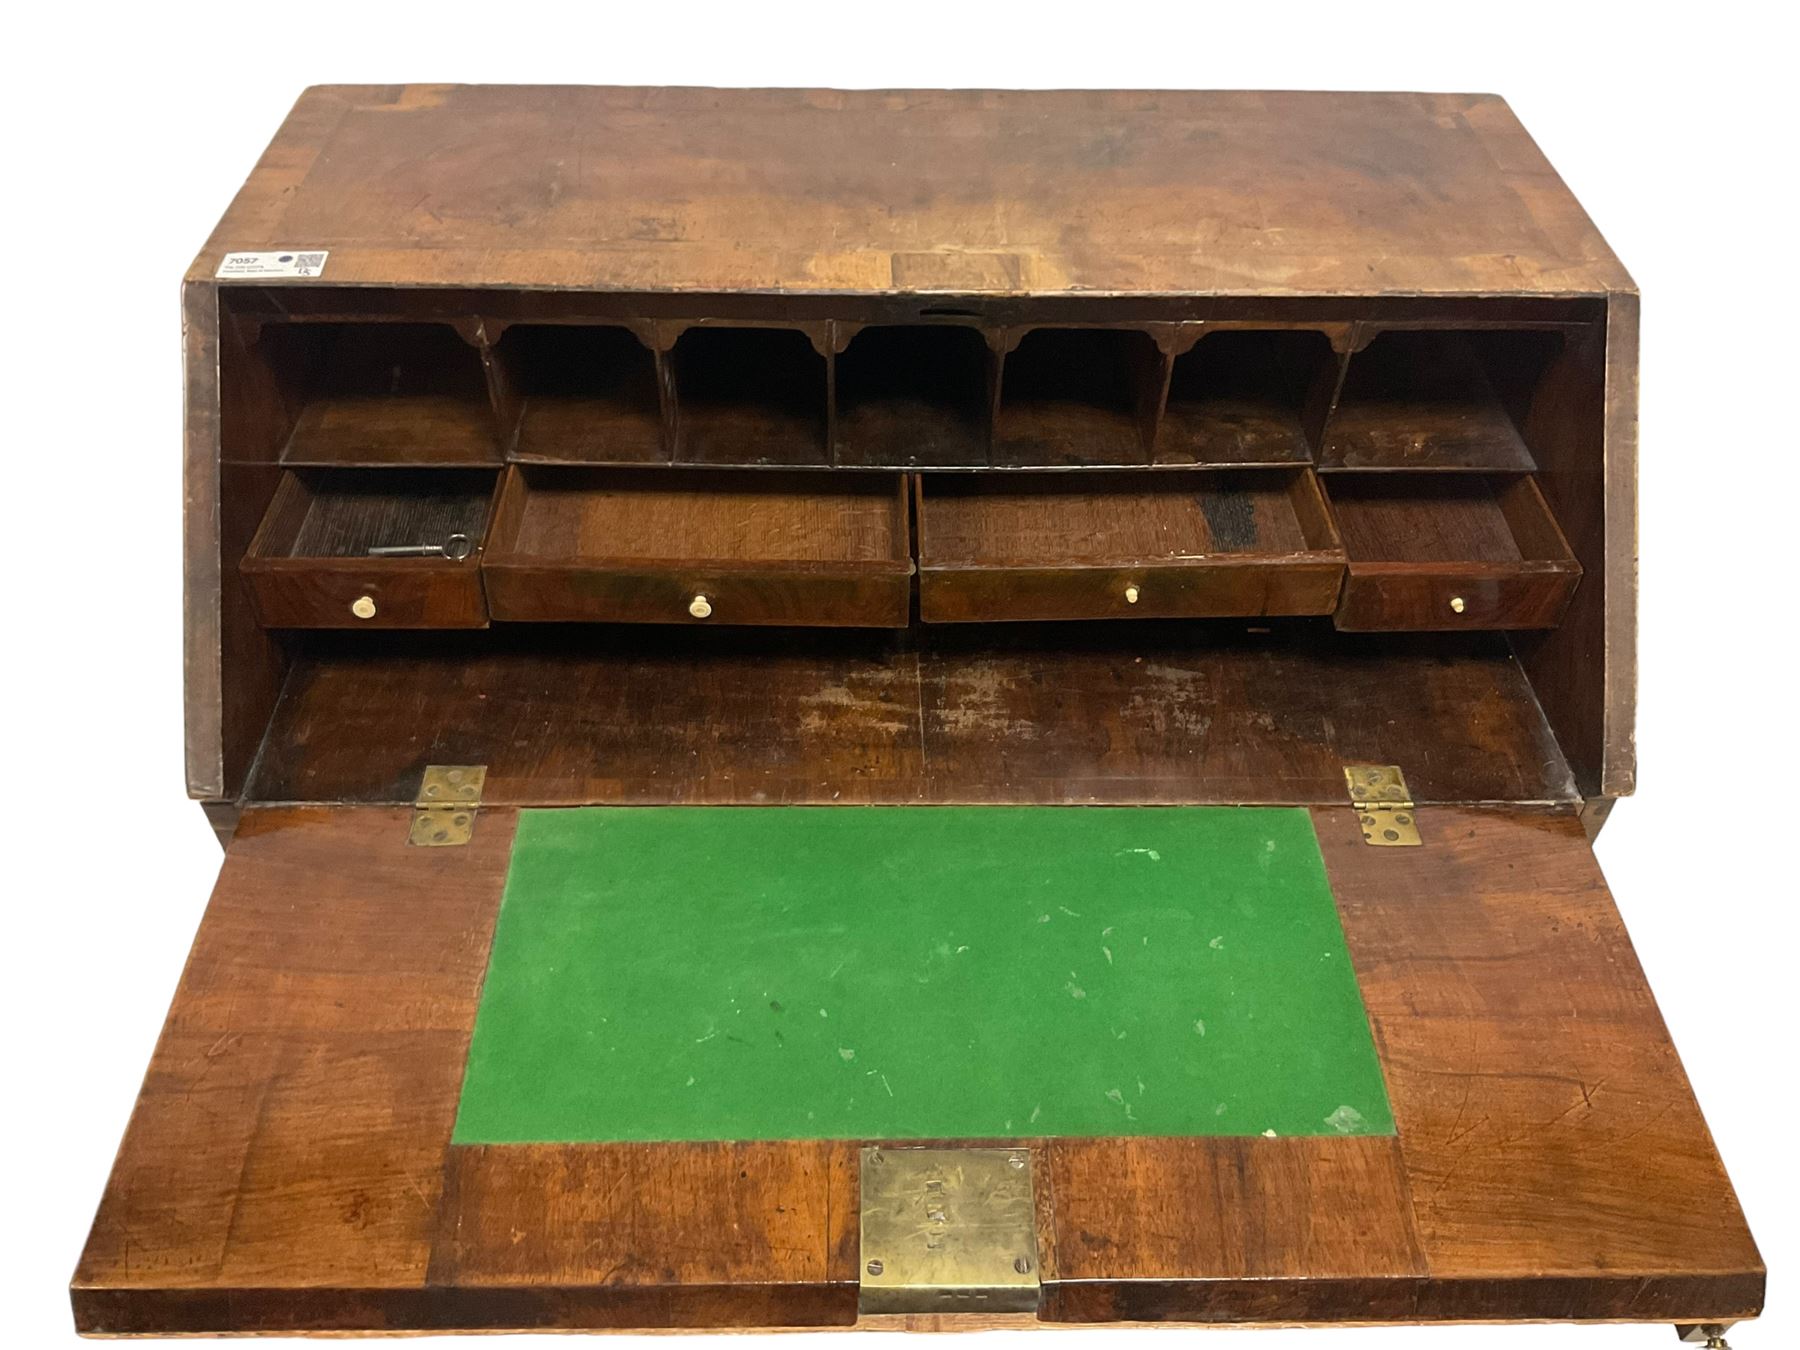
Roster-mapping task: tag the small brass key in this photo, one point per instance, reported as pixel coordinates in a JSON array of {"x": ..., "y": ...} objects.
[{"x": 455, "y": 548}]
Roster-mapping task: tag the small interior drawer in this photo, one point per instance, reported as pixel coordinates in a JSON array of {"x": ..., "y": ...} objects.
[
  {"x": 700, "y": 546},
  {"x": 1167, "y": 544},
  {"x": 1449, "y": 551},
  {"x": 309, "y": 565}
]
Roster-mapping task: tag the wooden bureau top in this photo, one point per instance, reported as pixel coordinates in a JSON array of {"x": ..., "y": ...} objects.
[{"x": 819, "y": 192}]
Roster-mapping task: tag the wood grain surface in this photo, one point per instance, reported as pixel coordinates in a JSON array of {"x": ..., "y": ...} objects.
[
  {"x": 288, "y": 1165},
  {"x": 1021, "y": 192},
  {"x": 628, "y": 546},
  {"x": 1443, "y": 552},
  {"x": 1036, "y": 713}
]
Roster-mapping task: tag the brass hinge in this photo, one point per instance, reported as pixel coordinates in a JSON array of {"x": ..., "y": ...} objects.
[
  {"x": 948, "y": 1230},
  {"x": 444, "y": 811},
  {"x": 1384, "y": 807}
]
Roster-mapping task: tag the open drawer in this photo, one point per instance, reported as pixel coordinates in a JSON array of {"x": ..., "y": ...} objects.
[
  {"x": 311, "y": 566},
  {"x": 689, "y": 546},
  {"x": 1169, "y": 544},
  {"x": 1448, "y": 551}
]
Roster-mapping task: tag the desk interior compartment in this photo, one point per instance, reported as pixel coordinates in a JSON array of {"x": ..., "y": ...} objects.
[
  {"x": 1078, "y": 396},
  {"x": 1449, "y": 551},
  {"x": 383, "y": 394},
  {"x": 583, "y": 393},
  {"x": 749, "y": 396},
  {"x": 1438, "y": 399},
  {"x": 701, "y": 546},
  {"x": 309, "y": 565},
  {"x": 914, "y": 395},
  {"x": 1247, "y": 396},
  {"x": 1167, "y": 544}
]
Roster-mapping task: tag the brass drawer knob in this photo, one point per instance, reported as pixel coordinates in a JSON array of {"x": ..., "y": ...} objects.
[
  {"x": 363, "y": 607},
  {"x": 1456, "y": 604},
  {"x": 700, "y": 607},
  {"x": 1131, "y": 595}
]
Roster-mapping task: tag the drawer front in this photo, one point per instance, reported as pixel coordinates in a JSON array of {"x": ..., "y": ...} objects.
[
  {"x": 1227, "y": 590},
  {"x": 396, "y": 593},
  {"x": 533, "y": 594},
  {"x": 1376, "y": 600}
]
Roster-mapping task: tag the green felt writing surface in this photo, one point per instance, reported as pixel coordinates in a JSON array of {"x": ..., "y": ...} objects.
[{"x": 692, "y": 973}]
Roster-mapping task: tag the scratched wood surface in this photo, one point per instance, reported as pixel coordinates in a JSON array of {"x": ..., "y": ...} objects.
[
  {"x": 967, "y": 191},
  {"x": 289, "y": 1167},
  {"x": 1177, "y": 713}
]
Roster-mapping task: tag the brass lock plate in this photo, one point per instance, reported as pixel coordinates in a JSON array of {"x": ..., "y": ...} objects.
[{"x": 948, "y": 1230}]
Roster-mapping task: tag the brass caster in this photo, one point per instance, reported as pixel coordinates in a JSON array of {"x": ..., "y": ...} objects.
[{"x": 1708, "y": 1334}]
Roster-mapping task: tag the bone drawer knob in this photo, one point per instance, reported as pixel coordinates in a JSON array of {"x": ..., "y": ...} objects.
[
  {"x": 700, "y": 607},
  {"x": 1131, "y": 595},
  {"x": 1456, "y": 604},
  {"x": 363, "y": 607}
]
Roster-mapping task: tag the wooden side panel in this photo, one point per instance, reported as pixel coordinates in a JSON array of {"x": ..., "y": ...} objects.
[
  {"x": 1583, "y": 430},
  {"x": 234, "y": 424},
  {"x": 203, "y": 686}
]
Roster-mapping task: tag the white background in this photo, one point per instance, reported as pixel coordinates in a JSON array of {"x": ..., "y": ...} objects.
[{"x": 126, "y": 133}]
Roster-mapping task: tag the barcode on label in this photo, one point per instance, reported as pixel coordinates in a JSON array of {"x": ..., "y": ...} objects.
[{"x": 291, "y": 262}]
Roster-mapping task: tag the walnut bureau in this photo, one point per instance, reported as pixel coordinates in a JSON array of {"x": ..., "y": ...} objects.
[{"x": 909, "y": 708}]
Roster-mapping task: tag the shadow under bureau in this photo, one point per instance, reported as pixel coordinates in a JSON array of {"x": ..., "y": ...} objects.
[{"x": 909, "y": 708}]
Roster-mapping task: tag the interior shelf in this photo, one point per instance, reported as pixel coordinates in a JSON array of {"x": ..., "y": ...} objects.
[
  {"x": 582, "y": 393},
  {"x": 1449, "y": 551},
  {"x": 1078, "y": 396},
  {"x": 914, "y": 396},
  {"x": 1437, "y": 399},
  {"x": 695, "y": 546},
  {"x": 310, "y": 565},
  {"x": 1005, "y": 713},
  {"x": 749, "y": 396},
  {"x": 1247, "y": 396},
  {"x": 1199, "y": 544},
  {"x": 386, "y": 394}
]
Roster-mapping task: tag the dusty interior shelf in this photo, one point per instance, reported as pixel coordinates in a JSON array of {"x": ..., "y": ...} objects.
[
  {"x": 1247, "y": 396},
  {"x": 1226, "y": 543},
  {"x": 1078, "y": 396},
  {"x": 686, "y": 545},
  {"x": 310, "y": 565},
  {"x": 383, "y": 394},
  {"x": 1083, "y": 713},
  {"x": 1437, "y": 399},
  {"x": 915, "y": 395},
  {"x": 582, "y": 392},
  {"x": 749, "y": 396},
  {"x": 1446, "y": 551}
]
